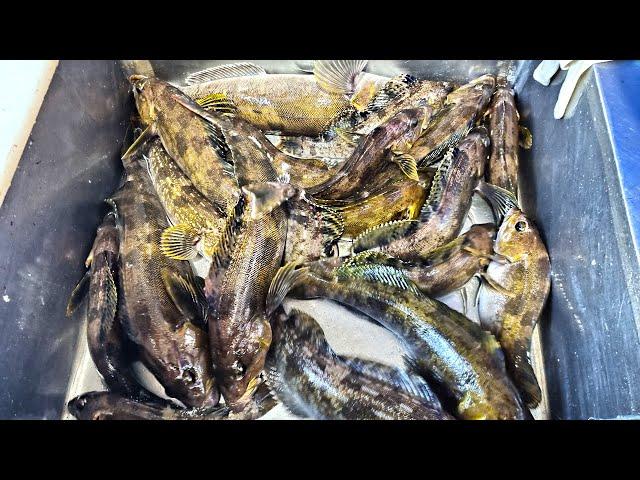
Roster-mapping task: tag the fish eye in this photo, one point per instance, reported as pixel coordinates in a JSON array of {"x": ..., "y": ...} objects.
[
  {"x": 81, "y": 403},
  {"x": 189, "y": 375},
  {"x": 521, "y": 226},
  {"x": 414, "y": 123},
  {"x": 100, "y": 416}
]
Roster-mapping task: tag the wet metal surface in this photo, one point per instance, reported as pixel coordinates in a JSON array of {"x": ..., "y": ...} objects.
[{"x": 47, "y": 224}]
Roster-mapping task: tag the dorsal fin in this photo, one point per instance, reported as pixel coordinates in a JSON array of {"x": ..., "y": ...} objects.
[
  {"x": 384, "y": 234},
  {"x": 453, "y": 140},
  {"x": 222, "y": 255},
  {"x": 396, "y": 88},
  {"x": 218, "y": 142},
  {"x": 372, "y": 271},
  {"x": 230, "y": 70},
  {"x": 437, "y": 185}
]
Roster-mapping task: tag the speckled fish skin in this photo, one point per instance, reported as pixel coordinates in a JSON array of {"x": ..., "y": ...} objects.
[
  {"x": 332, "y": 151},
  {"x": 239, "y": 329},
  {"x": 527, "y": 278},
  {"x": 307, "y": 236},
  {"x": 183, "y": 203},
  {"x": 423, "y": 93},
  {"x": 449, "y": 209},
  {"x": 371, "y": 160},
  {"x": 462, "y": 108},
  {"x": 246, "y": 140},
  {"x": 289, "y": 104},
  {"x": 170, "y": 343},
  {"x": 185, "y": 137},
  {"x": 502, "y": 168},
  {"x": 336, "y": 149},
  {"x": 448, "y": 348},
  {"x": 398, "y": 199},
  {"x": 451, "y": 266},
  {"x": 314, "y": 382},
  {"x": 105, "y": 337}
]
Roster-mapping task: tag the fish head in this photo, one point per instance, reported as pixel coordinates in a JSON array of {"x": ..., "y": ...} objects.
[
  {"x": 250, "y": 351},
  {"x": 410, "y": 124},
  {"x": 147, "y": 91},
  {"x": 480, "y": 238},
  {"x": 480, "y": 88},
  {"x": 89, "y": 406},
  {"x": 517, "y": 236},
  {"x": 189, "y": 376}
]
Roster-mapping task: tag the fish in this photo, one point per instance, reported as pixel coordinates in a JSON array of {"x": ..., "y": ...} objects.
[
  {"x": 400, "y": 93},
  {"x": 384, "y": 147},
  {"x": 514, "y": 292},
  {"x": 107, "y": 342},
  {"x": 192, "y": 141},
  {"x": 340, "y": 140},
  {"x": 461, "y": 109},
  {"x": 288, "y": 104},
  {"x": 197, "y": 223},
  {"x": 314, "y": 382},
  {"x": 333, "y": 151},
  {"x": 443, "y": 270},
  {"x": 451, "y": 352},
  {"x": 162, "y": 305},
  {"x": 443, "y": 213},
  {"x": 249, "y": 254},
  {"x": 313, "y": 230},
  {"x": 502, "y": 167},
  {"x": 398, "y": 198},
  {"x": 113, "y": 406}
]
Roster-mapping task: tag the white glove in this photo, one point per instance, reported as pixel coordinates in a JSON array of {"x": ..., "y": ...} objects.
[{"x": 548, "y": 68}]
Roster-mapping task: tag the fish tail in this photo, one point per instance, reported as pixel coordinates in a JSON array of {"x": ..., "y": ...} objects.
[{"x": 523, "y": 376}]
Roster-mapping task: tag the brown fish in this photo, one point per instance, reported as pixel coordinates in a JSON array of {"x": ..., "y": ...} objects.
[
  {"x": 375, "y": 155},
  {"x": 290, "y": 104},
  {"x": 161, "y": 304},
  {"x": 196, "y": 145},
  {"x": 462, "y": 108},
  {"x": 511, "y": 303},
  {"x": 445, "y": 209},
  {"x": 108, "y": 345},
  {"x": 250, "y": 252},
  {"x": 314, "y": 382},
  {"x": 443, "y": 270},
  {"x": 450, "y": 350}
]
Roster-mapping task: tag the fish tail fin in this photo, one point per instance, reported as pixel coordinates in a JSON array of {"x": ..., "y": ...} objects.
[
  {"x": 382, "y": 235},
  {"x": 285, "y": 279},
  {"x": 338, "y": 76},
  {"x": 264, "y": 197},
  {"x": 179, "y": 242},
  {"x": 524, "y": 377},
  {"x": 407, "y": 164}
]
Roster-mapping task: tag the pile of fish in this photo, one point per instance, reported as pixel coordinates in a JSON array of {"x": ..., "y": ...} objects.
[{"x": 334, "y": 183}]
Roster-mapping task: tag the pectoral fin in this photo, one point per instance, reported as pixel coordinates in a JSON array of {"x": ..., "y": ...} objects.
[
  {"x": 286, "y": 278},
  {"x": 179, "y": 242},
  {"x": 338, "y": 76},
  {"x": 407, "y": 164},
  {"x": 217, "y": 102},
  {"x": 526, "y": 139}
]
